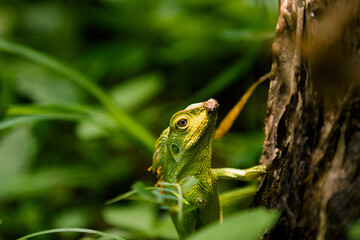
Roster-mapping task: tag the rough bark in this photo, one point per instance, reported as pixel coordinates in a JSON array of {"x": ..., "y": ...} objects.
[{"x": 312, "y": 143}]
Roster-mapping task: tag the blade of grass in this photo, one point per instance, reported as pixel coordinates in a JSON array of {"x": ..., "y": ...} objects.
[
  {"x": 77, "y": 230},
  {"x": 180, "y": 203},
  {"x": 7, "y": 123},
  {"x": 130, "y": 126},
  {"x": 236, "y": 195},
  {"x": 131, "y": 193},
  {"x": 75, "y": 112},
  {"x": 228, "y": 121},
  {"x": 47, "y": 109}
]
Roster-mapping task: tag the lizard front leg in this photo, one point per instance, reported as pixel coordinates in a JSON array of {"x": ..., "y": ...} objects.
[{"x": 240, "y": 174}]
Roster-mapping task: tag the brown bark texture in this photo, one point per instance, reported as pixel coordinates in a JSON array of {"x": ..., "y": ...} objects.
[{"x": 312, "y": 128}]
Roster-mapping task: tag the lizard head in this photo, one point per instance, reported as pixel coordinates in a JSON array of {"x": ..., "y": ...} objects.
[
  {"x": 187, "y": 140},
  {"x": 192, "y": 125}
]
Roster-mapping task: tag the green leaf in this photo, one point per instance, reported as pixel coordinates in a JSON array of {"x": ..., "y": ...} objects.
[
  {"x": 87, "y": 129},
  {"x": 77, "y": 216},
  {"x": 131, "y": 127},
  {"x": 353, "y": 232},
  {"x": 136, "y": 91},
  {"x": 78, "y": 230},
  {"x": 15, "y": 121},
  {"x": 14, "y": 162},
  {"x": 247, "y": 225},
  {"x": 138, "y": 217},
  {"x": 142, "y": 190},
  {"x": 150, "y": 194},
  {"x": 43, "y": 86},
  {"x": 141, "y": 218},
  {"x": 165, "y": 228}
]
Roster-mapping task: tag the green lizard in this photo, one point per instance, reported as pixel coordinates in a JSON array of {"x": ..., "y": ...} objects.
[{"x": 183, "y": 151}]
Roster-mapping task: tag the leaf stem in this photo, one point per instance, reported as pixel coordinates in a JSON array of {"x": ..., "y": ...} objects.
[{"x": 78, "y": 230}]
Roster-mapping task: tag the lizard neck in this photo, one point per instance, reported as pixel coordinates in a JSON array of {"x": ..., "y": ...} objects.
[{"x": 198, "y": 164}]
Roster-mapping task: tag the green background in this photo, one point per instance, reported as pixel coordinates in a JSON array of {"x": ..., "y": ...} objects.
[{"x": 151, "y": 58}]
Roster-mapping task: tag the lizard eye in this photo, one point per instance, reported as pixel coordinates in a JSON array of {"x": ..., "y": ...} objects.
[{"x": 182, "y": 123}]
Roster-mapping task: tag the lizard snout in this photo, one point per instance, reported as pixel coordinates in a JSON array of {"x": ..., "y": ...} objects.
[{"x": 212, "y": 105}]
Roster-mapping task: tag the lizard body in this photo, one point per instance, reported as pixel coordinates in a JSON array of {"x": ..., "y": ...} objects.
[{"x": 183, "y": 152}]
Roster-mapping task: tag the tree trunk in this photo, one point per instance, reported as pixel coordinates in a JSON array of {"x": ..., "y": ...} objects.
[{"x": 312, "y": 142}]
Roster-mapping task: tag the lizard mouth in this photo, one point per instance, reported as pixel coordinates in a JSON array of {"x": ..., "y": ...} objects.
[{"x": 212, "y": 105}]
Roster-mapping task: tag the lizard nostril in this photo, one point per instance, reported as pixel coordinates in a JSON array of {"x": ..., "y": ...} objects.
[{"x": 212, "y": 105}]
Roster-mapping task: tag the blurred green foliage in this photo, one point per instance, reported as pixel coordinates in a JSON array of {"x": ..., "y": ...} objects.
[
  {"x": 63, "y": 154},
  {"x": 353, "y": 232},
  {"x": 246, "y": 225}
]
